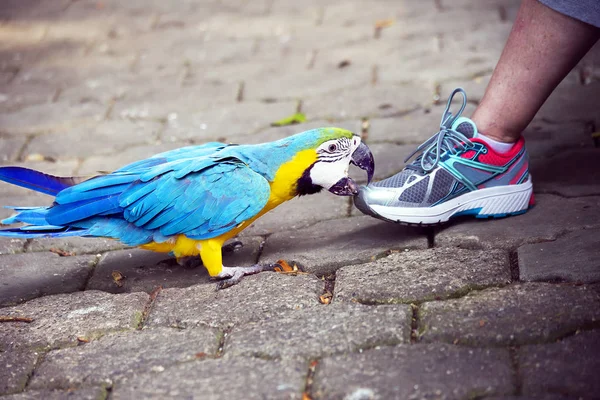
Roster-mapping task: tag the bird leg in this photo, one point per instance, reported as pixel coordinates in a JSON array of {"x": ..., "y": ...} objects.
[{"x": 230, "y": 276}]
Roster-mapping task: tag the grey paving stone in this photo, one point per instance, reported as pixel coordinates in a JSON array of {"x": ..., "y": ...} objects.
[
  {"x": 223, "y": 123},
  {"x": 566, "y": 367},
  {"x": 104, "y": 138},
  {"x": 59, "y": 320},
  {"x": 312, "y": 333},
  {"x": 551, "y": 217},
  {"x": 92, "y": 165},
  {"x": 279, "y": 132},
  {"x": 144, "y": 271},
  {"x": 212, "y": 379},
  {"x": 165, "y": 100},
  {"x": 573, "y": 258},
  {"x": 43, "y": 118},
  {"x": 15, "y": 369},
  {"x": 11, "y": 246},
  {"x": 420, "y": 275},
  {"x": 389, "y": 159},
  {"x": 202, "y": 305},
  {"x": 300, "y": 212},
  {"x": 384, "y": 100},
  {"x": 88, "y": 393},
  {"x": 555, "y": 174},
  {"x": 415, "y": 371},
  {"x": 75, "y": 245},
  {"x": 571, "y": 102},
  {"x": 116, "y": 356},
  {"x": 324, "y": 247},
  {"x": 26, "y": 276},
  {"x": 518, "y": 314},
  {"x": 546, "y": 139},
  {"x": 10, "y": 147},
  {"x": 414, "y": 127}
]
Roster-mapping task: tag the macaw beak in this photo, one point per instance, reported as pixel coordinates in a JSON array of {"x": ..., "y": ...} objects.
[
  {"x": 363, "y": 159},
  {"x": 345, "y": 187}
]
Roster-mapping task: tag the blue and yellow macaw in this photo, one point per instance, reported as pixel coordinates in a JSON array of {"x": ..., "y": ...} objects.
[{"x": 190, "y": 201}]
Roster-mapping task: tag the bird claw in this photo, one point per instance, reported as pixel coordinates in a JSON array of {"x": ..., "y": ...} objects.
[{"x": 230, "y": 276}]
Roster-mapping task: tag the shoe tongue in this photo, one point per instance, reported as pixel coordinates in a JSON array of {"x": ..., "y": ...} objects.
[{"x": 465, "y": 126}]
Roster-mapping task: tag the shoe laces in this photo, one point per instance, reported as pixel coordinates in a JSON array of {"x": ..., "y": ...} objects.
[{"x": 446, "y": 140}]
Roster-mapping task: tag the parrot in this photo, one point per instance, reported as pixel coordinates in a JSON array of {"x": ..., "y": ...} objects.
[{"x": 189, "y": 201}]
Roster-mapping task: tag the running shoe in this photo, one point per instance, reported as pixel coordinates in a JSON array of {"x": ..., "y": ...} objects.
[{"x": 455, "y": 173}]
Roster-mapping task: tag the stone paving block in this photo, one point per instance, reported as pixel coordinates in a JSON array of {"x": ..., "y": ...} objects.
[
  {"x": 116, "y": 356},
  {"x": 144, "y": 270},
  {"x": 324, "y": 247},
  {"x": 212, "y": 379},
  {"x": 413, "y": 128},
  {"x": 554, "y": 175},
  {"x": 389, "y": 159},
  {"x": 280, "y": 132},
  {"x": 566, "y": 367},
  {"x": 75, "y": 245},
  {"x": 59, "y": 320},
  {"x": 94, "y": 164},
  {"x": 26, "y": 276},
  {"x": 415, "y": 372},
  {"x": 10, "y": 147},
  {"x": 420, "y": 275},
  {"x": 551, "y": 217},
  {"x": 384, "y": 100},
  {"x": 88, "y": 393},
  {"x": 104, "y": 138},
  {"x": 51, "y": 117},
  {"x": 167, "y": 101},
  {"x": 15, "y": 369},
  {"x": 11, "y": 246},
  {"x": 518, "y": 314},
  {"x": 201, "y": 305},
  {"x": 573, "y": 258},
  {"x": 304, "y": 83},
  {"x": 312, "y": 333},
  {"x": 571, "y": 102},
  {"x": 223, "y": 123},
  {"x": 545, "y": 139},
  {"x": 300, "y": 212}
]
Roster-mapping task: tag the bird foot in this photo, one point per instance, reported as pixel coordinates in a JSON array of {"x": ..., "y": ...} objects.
[{"x": 230, "y": 276}]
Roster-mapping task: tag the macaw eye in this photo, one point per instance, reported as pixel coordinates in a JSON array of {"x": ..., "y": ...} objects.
[{"x": 332, "y": 147}]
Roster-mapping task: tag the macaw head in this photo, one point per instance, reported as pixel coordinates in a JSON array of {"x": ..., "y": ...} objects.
[{"x": 335, "y": 150}]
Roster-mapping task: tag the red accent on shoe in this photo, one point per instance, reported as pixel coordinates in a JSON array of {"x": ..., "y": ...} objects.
[
  {"x": 532, "y": 200},
  {"x": 519, "y": 174},
  {"x": 468, "y": 154},
  {"x": 499, "y": 159}
]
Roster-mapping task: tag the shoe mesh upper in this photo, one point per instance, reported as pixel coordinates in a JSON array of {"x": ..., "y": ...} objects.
[
  {"x": 441, "y": 186},
  {"x": 394, "y": 181},
  {"x": 415, "y": 193}
]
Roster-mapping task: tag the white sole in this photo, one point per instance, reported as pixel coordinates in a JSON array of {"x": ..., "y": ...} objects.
[{"x": 497, "y": 201}]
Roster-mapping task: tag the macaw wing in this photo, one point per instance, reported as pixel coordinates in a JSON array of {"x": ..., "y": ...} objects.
[{"x": 200, "y": 204}]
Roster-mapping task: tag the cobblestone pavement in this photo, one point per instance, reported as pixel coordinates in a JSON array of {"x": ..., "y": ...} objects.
[{"x": 503, "y": 309}]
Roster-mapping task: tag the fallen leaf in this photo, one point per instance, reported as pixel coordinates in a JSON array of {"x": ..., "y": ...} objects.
[
  {"x": 82, "y": 339},
  {"x": 297, "y": 118},
  {"x": 326, "y": 297},
  {"x": 118, "y": 278},
  {"x": 306, "y": 396},
  {"x": 384, "y": 23},
  {"x": 62, "y": 253},
  {"x": 201, "y": 354},
  {"x": 344, "y": 64},
  {"x": 481, "y": 322}
]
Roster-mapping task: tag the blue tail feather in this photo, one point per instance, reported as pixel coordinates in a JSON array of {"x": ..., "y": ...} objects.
[
  {"x": 39, "y": 232},
  {"x": 36, "y": 180}
]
